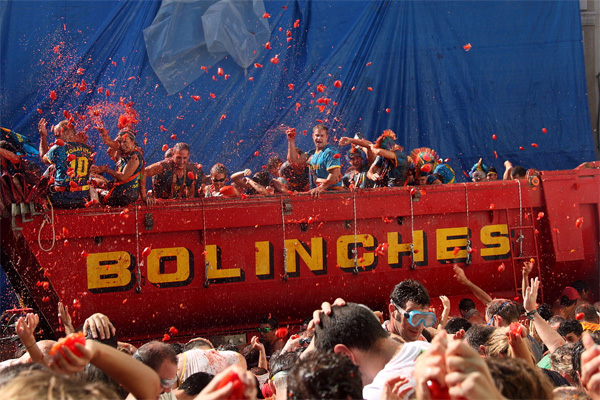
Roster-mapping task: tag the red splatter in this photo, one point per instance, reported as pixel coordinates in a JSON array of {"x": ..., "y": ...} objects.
[
  {"x": 162, "y": 128},
  {"x": 220, "y": 71},
  {"x": 275, "y": 60},
  {"x": 223, "y": 117},
  {"x": 76, "y": 304},
  {"x": 368, "y": 64},
  {"x": 298, "y": 105},
  {"x": 534, "y": 145},
  {"x": 370, "y": 89},
  {"x": 256, "y": 153},
  {"x": 196, "y": 98},
  {"x": 266, "y": 15},
  {"x": 84, "y": 253},
  {"x": 337, "y": 156},
  {"x": 82, "y": 86},
  {"x": 455, "y": 251},
  {"x": 80, "y": 71},
  {"x": 387, "y": 110},
  {"x": 288, "y": 33},
  {"x": 45, "y": 299},
  {"x": 71, "y": 157},
  {"x": 66, "y": 243},
  {"x": 494, "y": 136},
  {"x": 492, "y": 206},
  {"x": 337, "y": 84},
  {"x": 540, "y": 215},
  {"x": 191, "y": 175},
  {"x": 580, "y": 316},
  {"x": 297, "y": 23},
  {"x": 521, "y": 148},
  {"x": 291, "y": 86},
  {"x": 257, "y": 65},
  {"x": 321, "y": 88},
  {"x": 39, "y": 110},
  {"x": 52, "y": 95},
  {"x": 107, "y": 92},
  {"x": 501, "y": 267},
  {"x": 495, "y": 154},
  {"x": 146, "y": 251},
  {"x": 166, "y": 337},
  {"x": 544, "y": 130},
  {"x": 173, "y": 330},
  {"x": 579, "y": 222},
  {"x": 244, "y": 196},
  {"x": 281, "y": 333},
  {"x": 212, "y": 95},
  {"x": 165, "y": 147},
  {"x": 268, "y": 46},
  {"x": 437, "y": 391},
  {"x": 467, "y": 47}
]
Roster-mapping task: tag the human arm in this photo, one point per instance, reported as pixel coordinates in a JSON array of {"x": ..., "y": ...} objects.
[
  {"x": 99, "y": 326},
  {"x": 445, "y": 312},
  {"x": 374, "y": 171},
  {"x": 526, "y": 270},
  {"x": 10, "y": 156},
  {"x": 262, "y": 354},
  {"x": 508, "y": 168},
  {"x": 105, "y": 138},
  {"x": 344, "y": 140},
  {"x": 63, "y": 315},
  {"x": 293, "y": 156},
  {"x": 335, "y": 174},
  {"x": 383, "y": 152},
  {"x": 154, "y": 169},
  {"x": 239, "y": 178},
  {"x": 590, "y": 367},
  {"x": 460, "y": 276},
  {"x": 25, "y": 328},
  {"x": 549, "y": 336},
  {"x": 43, "y": 149},
  {"x": 129, "y": 170},
  {"x": 135, "y": 377}
]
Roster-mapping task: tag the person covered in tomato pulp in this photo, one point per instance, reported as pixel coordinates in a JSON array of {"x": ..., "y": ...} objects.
[
  {"x": 72, "y": 162},
  {"x": 323, "y": 161},
  {"x": 391, "y": 163},
  {"x": 126, "y": 184},
  {"x": 174, "y": 177}
]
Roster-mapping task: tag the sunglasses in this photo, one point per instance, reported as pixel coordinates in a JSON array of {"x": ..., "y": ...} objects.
[
  {"x": 415, "y": 318},
  {"x": 264, "y": 330},
  {"x": 218, "y": 180},
  {"x": 167, "y": 383},
  {"x": 498, "y": 311}
]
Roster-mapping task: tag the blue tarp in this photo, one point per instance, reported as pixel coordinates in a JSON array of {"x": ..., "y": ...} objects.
[{"x": 523, "y": 72}]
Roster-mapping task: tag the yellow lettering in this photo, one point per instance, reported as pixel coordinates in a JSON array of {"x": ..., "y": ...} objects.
[
  {"x": 214, "y": 271},
  {"x": 314, "y": 256},
  {"x": 496, "y": 242},
  {"x": 396, "y": 249},
  {"x": 366, "y": 261},
  {"x": 157, "y": 268},
  {"x": 447, "y": 239},
  {"x": 109, "y": 272},
  {"x": 264, "y": 260}
]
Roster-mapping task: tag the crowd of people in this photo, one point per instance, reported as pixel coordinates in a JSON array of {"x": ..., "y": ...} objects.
[
  {"x": 512, "y": 350},
  {"x": 73, "y": 180}
]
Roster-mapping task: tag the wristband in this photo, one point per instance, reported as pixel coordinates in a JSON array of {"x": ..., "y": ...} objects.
[
  {"x": 530, "y": 314},
  {"x": 28, "y": 347}
]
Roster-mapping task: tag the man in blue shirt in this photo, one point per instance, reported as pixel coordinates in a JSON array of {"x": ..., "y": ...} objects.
[{"x": 323, "y": 162}]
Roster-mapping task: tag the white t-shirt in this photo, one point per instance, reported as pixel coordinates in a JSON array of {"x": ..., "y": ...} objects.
[
  {"x": 209, "y": 361},
  {"x": 403, "y": 364}
]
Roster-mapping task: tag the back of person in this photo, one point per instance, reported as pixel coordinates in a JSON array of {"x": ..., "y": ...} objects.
[
  {"x": 72, "y": 162},
  {"x": 209, "y": 361}
]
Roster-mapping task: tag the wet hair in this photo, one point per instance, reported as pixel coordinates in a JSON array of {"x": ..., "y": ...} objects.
[
  {"x": 65, "y": 126},
  {"x": 198, "y": 343},
  {"x": 504, "y": 308},
  {"x": 589, "y": 313},
  {"x": 181, "y": 147},
  {"x": 492, "y": 169},
  {"x": 478, "y": 335},
  {"x": 218, "y": 168},
  {"x": 45, "y": 384},
  {"x": 566, "y": 302},
  {"x": 262, "y": 178},
  {"x": 6, "y": 145},
  {"x": 353, "y": 325},
  {"x": 228, "y": 347},
  {"x": 456, "y": 324},
  {"x": 169, "y": 153},
  {"x": 569, "y": 393},
  {"x": 321, "y": 127},
  {"x": 93, "y": 374},
  {"x": 109, "y": 341},
  {"x": 251, "y": 355},
  {"x": 518, "y": 172},
  {"x": 194, "y": 383},
  {"x": 466, "y": 304},
  {"x": 516, "y": 379},
  {"x": 154, "y": 353},
  {"x": 282, "y": 363},
  {"x": 578, "y": 350},
  {"x": 561, "y": 361},
  {"x": 410, "y": 290},
  {"x": 177, "y": 347},
  {"x": 545, "y": 311},
  {"x": 570, "y": 326},
  {"x": 269, "y": 320},
  {"x": 580, "y": 285},
  {"x": 274, "y": 162},
  {"x": 325, "y": 376}
]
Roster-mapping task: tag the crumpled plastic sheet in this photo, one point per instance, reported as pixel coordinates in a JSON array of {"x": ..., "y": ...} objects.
[{"x": 188, "y": 34}]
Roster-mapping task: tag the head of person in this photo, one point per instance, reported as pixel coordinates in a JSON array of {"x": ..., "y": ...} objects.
[
  {"x": 492, "y": 174},
  {"x": 555, "y": 321},
  {"x": 162, "y": 359},
  {"x": 273, "y": 165},
  {"x": 353, "y": 330},
  {"x": 279, "y": 368},
  {"x": 126, "y": 140},
  {"x": 251, "y": 355},
  {"x": 65, "y": 131},
  {"x": 192, "y": 386},
  {"x": 386, "y": 141},
  {"x": 422, "y": 179},
  {"x": 320, "y": 136},
  {"x": 267, "y": 327},
  {"x": 198, "y": 343},
  {"x": 589, "y": 313},
  {"x": 356, "y": 158},
  {"x": 478, "y": 172},
  {"x": 518, "y": 172},
  {"x": 46, "y": 384},
  {"x": 501, "y": 312},
  {"x": 571, "y": 330},
  {"x": 181, "y": 155},
  {"x": 456, "y": 324},
  {"x": 464, "y": 305},
  {"x": 561, "y": 361},
  {"x": 568, "y": 296},
  {"x": 516, "y": 379},
  {"x": 262, "y": 178},
  {"x": 497, "y": 344},
  {"x": 545, "y": 311},
  {"x": 218, "y": 175},
  {"x": 409, "y": 310},
  {"x": 582, "y": 289},
  {"x": 168, "y": 153},
  {"x": 6, "y": 145},
  {"x": 325, "y": 376},
  {"x": 478, "y": 335}
]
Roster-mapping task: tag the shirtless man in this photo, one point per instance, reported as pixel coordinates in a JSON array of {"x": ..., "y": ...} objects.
[{"x": 175, "y": 177}]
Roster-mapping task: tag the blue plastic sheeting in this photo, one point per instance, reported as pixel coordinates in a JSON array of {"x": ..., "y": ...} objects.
[{"x": 524, "y": 72}]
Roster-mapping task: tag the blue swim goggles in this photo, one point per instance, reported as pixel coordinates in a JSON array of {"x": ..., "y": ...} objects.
[{"x": 417, "y": 317}]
